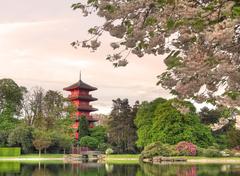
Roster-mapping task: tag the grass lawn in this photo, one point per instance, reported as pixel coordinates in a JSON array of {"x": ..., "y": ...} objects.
[
  {"x": 35, "y": 156},
  {"x": 124, "y": 156},
  {"x": 42, "y": 156},
  {"x": 123, "y": 159}
]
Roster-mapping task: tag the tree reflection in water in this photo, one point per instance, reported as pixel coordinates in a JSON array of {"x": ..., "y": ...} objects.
[{"x": 96, "y": 169}]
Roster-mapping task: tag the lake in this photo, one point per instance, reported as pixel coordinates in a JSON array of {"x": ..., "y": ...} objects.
[{"x": 96, "y": 169}]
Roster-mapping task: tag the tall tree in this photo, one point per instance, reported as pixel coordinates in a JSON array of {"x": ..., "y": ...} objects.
[
  {"x": 42, "y": 109},
  {"x": 121, "y": 127},
  {"x": 83, "y": 128},
  {"x": 11, "y": 96},
  {"x": 33, "y": 107},
  {"x": 201, "y": 40},
  {"x": 144, "y": 121},
  {"x": 209, "y": 116},
  {"x": 53, "y": 108},
  {"x": 233, "y": 138}
]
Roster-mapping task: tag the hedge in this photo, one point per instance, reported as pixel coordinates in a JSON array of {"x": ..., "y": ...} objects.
[{"x": 10, "y": 152}]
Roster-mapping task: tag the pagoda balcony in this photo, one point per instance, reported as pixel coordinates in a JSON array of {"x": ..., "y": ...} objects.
[
  {"x": 82, "y": 97},
  {"x": 87, "y": 108}
]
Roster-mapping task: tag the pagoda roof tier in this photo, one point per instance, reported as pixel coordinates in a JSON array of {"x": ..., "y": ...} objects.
[
  {"x": 83, "y": 97},
  {"x": 80, "y": 85},
  {"x": 86, "y": 108},
  {"x": 90, "y": 119}
]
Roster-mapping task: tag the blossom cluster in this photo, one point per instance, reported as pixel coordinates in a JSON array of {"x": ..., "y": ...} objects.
[{"x": 186, "y": 148}]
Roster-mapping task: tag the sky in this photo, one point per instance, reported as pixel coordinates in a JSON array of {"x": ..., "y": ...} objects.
[{"x": 35, "y": 50}]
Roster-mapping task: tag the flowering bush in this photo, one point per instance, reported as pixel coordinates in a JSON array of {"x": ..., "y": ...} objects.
[
  {"x": 186, "y": 148},
  {"x": 237, "y": 148}
]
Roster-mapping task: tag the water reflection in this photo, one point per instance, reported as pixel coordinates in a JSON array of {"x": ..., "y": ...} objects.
[{"x": 96, "y": 169}]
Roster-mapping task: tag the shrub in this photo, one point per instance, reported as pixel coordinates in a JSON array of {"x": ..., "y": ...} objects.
[
  {"x": 88, "y": 141},
  {"x": 209, "y": 152},
  {"x": 10, "y": 151},
  {"x": 200, "y": 151},
  {"x": 158, "y": 149},
  {"x": 102, "y": 147},
  {"x": 109, "y": 151},
  {"x": 212, "y": 153},
  {"x": 186, "y": 148}
]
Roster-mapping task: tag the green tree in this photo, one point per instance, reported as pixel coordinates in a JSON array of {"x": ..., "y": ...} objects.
[
  {"x": 11, "y": 96},
  {"x": 41, "y": 140},
  {"x": 7, "y": 125},
  {"x": 83, "y": 128},
  {"x": 88, "y": 141},
  {"x": 144, "y": 121},
  {"x": 176, "y": 121},
  {"x": 209, "y": 116},
  {"x": 53, "y": 108},
  {"x": 233, "y": 138},
  {"x": 121, "y": 127},
  {"x": 33, "y": 107},
  {"x": 21, "y": 136},
  {"x": 65, "y": 142},
  {"x": 99, "y": 132}
]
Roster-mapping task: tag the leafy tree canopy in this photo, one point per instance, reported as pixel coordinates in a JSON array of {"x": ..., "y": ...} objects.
[
  {"x": 170, "y": 122},
  {"x": 11, "y": 96},
  {"x": 88, "y": 141},
  {"x": 121, "y": 127},
  {"x": 200, "y": 37},
  {"x": 22, "y": 137},
  {"x": 99, "y": 132},
  {"x": 144, "y": 123}
]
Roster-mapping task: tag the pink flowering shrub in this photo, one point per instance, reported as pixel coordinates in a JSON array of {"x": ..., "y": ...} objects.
[
  {"x": 186, "y": 148},
  {"x": 237, "y": 148}
]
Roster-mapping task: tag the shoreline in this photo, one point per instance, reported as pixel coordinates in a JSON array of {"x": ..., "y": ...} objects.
[{"x": 135, "y": 160}]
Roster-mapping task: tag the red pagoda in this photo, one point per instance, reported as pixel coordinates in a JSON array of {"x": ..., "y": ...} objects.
[{"x": 81, "y": 98}]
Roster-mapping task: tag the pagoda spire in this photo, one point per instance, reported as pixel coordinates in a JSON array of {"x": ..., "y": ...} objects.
[{"x": 80, "y": 76}]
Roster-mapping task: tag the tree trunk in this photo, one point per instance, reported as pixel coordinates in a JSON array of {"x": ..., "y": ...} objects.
[
  {"x": 64, "y": 151},
  {"x": 45, "y": 151},
  {"x": 39, "y": 153}
]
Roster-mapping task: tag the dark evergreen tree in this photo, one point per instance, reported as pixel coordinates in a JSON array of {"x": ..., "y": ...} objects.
[
  {"x": 121, "y": 127},
  {"x": 83, "y": 128},
  {"x": 233, "y": 137},
  {"x": 208, "y": 116}
]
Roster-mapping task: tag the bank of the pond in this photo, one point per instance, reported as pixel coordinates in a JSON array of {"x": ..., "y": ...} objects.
[
  {"x": 118, "y": 158},
  {"x": 121, "y": 159},
  {"x": 221, "y": 160}
]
